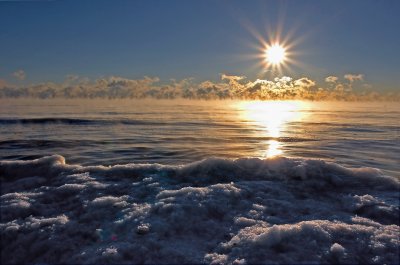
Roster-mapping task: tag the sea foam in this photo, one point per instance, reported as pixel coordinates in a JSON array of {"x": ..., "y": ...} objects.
[{"x": 249, "y": 210}]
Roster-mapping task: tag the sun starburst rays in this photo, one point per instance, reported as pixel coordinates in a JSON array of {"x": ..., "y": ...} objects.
[{"x": 276, "y": 53}]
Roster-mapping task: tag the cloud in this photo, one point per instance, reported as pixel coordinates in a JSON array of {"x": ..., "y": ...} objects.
[
  {"x": 367, "y": 86},
  {"x": 304, "y": 82},
  {"x": 71, "y": 78},
  {"x": 228, "y": 87},
  {"x": 232, "y": 77},
  {"x": 340, "y": 87},
  {"x": 331, "y": 79},
  {"x": 20, "y": 74},
  {"x": 353, "y": 77}
]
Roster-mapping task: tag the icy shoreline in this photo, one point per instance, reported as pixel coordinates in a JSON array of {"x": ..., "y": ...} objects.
[{"x": 249, "y": 210}]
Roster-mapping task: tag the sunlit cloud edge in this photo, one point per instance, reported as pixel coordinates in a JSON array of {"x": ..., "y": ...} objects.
[{"x": 349, "y": 88}]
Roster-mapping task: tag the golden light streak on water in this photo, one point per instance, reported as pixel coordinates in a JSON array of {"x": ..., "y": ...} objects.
[{"x": 272, "y": 118}]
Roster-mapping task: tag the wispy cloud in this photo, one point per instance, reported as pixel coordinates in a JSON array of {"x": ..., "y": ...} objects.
[
  {"x": 331, "y": 79},
  {"x": 229, "y": 87},
  {"x": 352, "y": 77},
  {"x": 20, "y": 74},
  {"x": 304, "y": 82},
  {"x": 367, "y": 86}
]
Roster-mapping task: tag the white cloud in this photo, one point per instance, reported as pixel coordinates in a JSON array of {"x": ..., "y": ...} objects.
[
  {"x": 353, "y": 77},
  {"x": 331, "y": 79},
  {"x": 304, "y": 82},
  {"x": 71, "y": 78},
  {"x": 232, "y": 77},
  {"x": 20, "y": 74}
]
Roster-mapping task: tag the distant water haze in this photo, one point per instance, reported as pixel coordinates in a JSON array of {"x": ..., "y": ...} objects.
[{"x": 109, "y": 132}]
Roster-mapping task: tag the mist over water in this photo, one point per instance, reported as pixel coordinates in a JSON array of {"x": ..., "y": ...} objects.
[{"x": 216, "y": 182}]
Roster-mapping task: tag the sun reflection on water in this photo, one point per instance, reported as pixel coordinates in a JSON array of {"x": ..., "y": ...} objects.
[
  {"x": 272, "y": 117},
  {"x": 274, "y": 148}
]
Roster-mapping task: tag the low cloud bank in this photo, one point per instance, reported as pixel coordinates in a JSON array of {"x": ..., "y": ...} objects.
[{"x": 229, "y": 87}]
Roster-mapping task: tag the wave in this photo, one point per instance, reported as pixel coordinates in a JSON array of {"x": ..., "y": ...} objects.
[
  {"x": 75, "y": 121},
  {"x": 249, "y": 210},
  {"x": 46, "y": 121},
  {"x": 21, "y": 144},
  {"x": 214, "y": 170},
  {"x": 96, "y": 121}
]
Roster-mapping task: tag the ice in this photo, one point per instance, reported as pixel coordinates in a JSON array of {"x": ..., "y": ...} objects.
[
  {"x": 249, "y": 210},
  {"x": 337, "y": 250}
]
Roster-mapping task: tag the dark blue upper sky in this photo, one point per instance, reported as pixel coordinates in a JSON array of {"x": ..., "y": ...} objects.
[{"x": 200, "y": 39}]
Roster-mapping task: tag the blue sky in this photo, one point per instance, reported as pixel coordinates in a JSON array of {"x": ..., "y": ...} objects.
[{"x": 48, "y": 40}]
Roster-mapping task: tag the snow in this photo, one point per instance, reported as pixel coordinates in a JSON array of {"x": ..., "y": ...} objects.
[{"x": 243, "y": 211}]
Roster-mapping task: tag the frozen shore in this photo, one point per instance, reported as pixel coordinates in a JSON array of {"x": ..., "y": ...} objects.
[{"x": 280, "y": 210}]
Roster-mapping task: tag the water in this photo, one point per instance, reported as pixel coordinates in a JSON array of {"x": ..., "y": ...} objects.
[
  {"x": 109, "y": 132},
  {"x": 190, "y": 182}
]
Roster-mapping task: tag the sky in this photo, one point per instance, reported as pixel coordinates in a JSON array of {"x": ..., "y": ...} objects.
[{"x": 43, "y": 41}]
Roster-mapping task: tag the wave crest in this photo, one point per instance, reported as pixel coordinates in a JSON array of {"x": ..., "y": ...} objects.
[{"x": 215, "y": 170}]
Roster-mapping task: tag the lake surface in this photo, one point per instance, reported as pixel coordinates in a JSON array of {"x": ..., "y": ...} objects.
[{"x": 172, "y": 132}]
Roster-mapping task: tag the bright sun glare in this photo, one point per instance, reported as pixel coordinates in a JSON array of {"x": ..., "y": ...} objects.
[
  {"x": 272, "y": 117},
  {"x": 275, "y": 54}
]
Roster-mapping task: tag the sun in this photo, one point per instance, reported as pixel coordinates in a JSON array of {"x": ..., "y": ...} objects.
[
  {"x": 275, "y": 54},
  {"x": 276, "y": 51}
]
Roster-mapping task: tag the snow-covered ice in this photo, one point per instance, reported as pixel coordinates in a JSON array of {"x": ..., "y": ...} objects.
[{"x": 278, "y": 210}]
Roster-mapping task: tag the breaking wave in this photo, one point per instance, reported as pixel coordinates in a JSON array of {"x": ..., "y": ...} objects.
[{"x": 249, "y": 210}]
